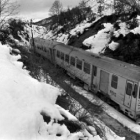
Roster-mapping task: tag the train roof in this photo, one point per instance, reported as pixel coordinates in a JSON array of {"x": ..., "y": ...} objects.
[
  {"x": 120, "y": 68},
  {"x": 46, "y": 43},
  {"x": 129, "y": 71}
]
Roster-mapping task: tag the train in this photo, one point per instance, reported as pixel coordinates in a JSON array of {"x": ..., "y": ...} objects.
[{"x": 116, "y": 80}]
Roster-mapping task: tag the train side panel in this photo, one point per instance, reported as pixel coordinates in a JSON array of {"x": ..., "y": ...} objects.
[
  {"x": 117, "y": 89},
  {"x": 114, "y": 87},
  {"x": 95, "y": 79},
  {"x": 73, "y": 69},
  {"x": 42, "y": 47}
]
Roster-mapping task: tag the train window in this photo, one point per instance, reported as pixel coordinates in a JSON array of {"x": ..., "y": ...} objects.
[
  {"x": 58, "y": 54},
  {"x": 62, "y": 56},
  {"x": 114, "y": 81},
  {"x": 67, "y": 58},
  {"x": 135, "y": 91},
  {"x": 79, "y": 64},
  {"x": 129, "y": 89},
  {"x": 87, "y": 68},
  {"x": 94, "y": 70},
  {"x": 72, "y": 61}
]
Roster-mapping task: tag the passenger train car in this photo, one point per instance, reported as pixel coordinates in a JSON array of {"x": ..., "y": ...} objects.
[{"x": 117, "y": 80}]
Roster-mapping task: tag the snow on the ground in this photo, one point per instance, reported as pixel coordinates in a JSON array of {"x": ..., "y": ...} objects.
[
  {"x": 138, "y": 19},
  {"x": 136, "y": 30},
  {"x": 38, "y": 31},
  {"x": 63, "y": 38},
  {"x": 99, "y": 41},
  {"x": 125, "y": 121},
  {"x": 113, "y": 45},
  {"x": 22, "y": 37},
  {"x": 80, "y": 28},
  {"x": 49, "y": 35},
  {"x": 23, "y": 99},
  {"x": 123, "y": 29}
]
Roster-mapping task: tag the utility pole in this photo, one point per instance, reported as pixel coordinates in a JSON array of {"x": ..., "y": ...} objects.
[
  {"x": 0, "y": 10},
  {"x": 33, "y": 43}
]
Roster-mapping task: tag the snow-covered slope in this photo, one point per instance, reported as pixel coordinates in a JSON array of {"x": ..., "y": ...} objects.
[
  {"x": 99, "y": 41},
  {"x": 22, "y": 100}
]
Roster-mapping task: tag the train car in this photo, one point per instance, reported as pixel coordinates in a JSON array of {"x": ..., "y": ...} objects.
[
  {"x": 45, "y": 48},
  {"x": 117, "y": 80}
]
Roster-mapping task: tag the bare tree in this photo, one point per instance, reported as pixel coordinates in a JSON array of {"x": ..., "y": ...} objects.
[
  {"x": 55, "y": 11},
  {"x": 101, "y": 7},
  {"x": 119, "y": 6},
  {"x": 56, "y": 8},
  {"x": 7, "y": 9},
  {"x": 126, "y": 5},
  {"x": 134, "y": 3},
  {"x": 82, "y": 4}
]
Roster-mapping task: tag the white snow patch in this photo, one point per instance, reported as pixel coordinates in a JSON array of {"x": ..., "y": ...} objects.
[
  {"x": 113, "y": 45},
  {"x": 136, "y": 30},
  {"x": 63, "y": 38},
  {"x": 80, "y": 28},
  {"x": 27, "y": 43},
  {"x": 66, "y": 113},
  {"x": 123, "y": 30},
  {"x": 138, "y": 19},
  {"x": 99, "y": 41},
  {"x": 16, "y": 50}
]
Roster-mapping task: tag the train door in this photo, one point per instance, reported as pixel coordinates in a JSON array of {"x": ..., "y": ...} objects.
[
  {"x": 138, "y": 100},
  {"x": 93, "y": 78},
  {"x": 104, "y": 81},
  {"x": 128, "y": 93},
  {"x": 52, "y": 55},
  {"x": 134, "y": 97}
]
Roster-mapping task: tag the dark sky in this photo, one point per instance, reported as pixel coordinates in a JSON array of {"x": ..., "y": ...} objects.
[{"x": 38, "y": 9}]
